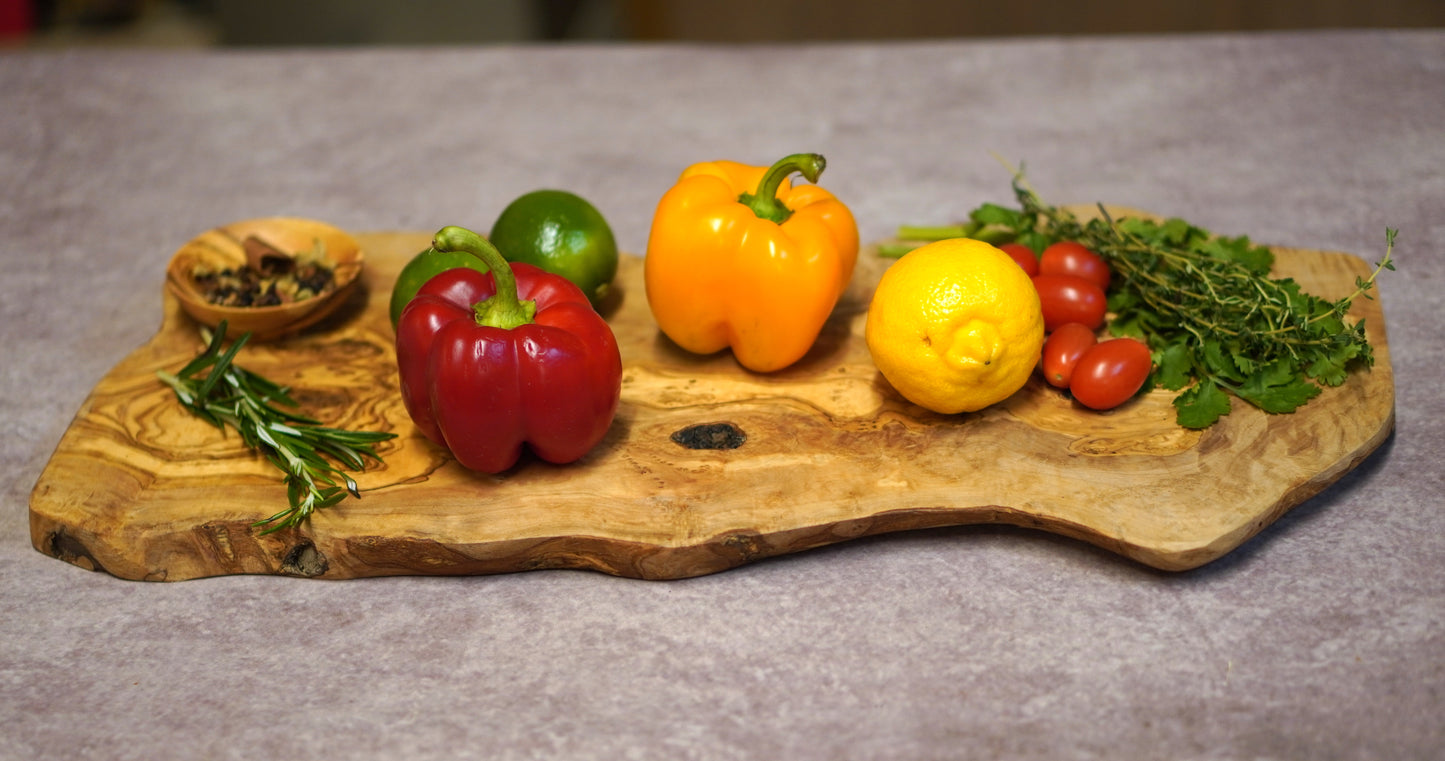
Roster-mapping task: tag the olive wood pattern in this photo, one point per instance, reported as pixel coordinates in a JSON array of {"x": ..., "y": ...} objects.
[{"x": 819, "y": 453}]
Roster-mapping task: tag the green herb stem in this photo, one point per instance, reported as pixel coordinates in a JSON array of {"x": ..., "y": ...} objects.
[
  {"x": 936, "y": 232},
  {"x": 895, "y": 250}
]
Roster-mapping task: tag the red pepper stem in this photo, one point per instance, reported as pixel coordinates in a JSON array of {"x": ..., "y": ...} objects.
[
  {"x": 503, "y": 310},
  {"x": 764, "y": 201}
]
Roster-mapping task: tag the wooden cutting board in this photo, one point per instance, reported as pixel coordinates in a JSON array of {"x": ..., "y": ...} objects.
[{"x": 141, "y": 490}]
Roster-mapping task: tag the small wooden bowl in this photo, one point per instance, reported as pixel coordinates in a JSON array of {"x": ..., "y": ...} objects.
[{"x": 224, "y": 247}]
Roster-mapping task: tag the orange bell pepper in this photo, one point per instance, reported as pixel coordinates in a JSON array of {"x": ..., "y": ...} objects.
[{"x": 739, "y": 257}]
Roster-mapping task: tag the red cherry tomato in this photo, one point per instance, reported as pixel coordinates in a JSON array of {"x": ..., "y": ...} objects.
[
  {"x": 1067, "y": 299},
  {"x": 1024, "y": 255},
  {"x": 1062, "y": 351},
  {"x": 1110, "y": 373},
  {"x": 1070, "y": 258}
]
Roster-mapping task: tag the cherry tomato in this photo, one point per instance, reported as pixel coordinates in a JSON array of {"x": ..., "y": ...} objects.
[
  {"x": 1110, "y": 373},
  {"x": 1062, "y": 351},
  {"x": 1070, "y": 258},
  {"x": 1066, "y": 299},
  {"x": 1024, "y": 255}
]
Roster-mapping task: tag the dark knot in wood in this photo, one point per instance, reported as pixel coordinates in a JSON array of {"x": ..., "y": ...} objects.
[
  {"x": 304, "y": 560},
  {"x": 710, "y": 436},
  {"x": 66, "y": 547}
]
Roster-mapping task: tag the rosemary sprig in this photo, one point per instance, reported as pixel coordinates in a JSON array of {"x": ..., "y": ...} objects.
[{"x": 225, "y": 395}]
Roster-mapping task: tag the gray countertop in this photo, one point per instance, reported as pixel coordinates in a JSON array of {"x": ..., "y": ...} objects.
[{"x": 1321, "y": 638}]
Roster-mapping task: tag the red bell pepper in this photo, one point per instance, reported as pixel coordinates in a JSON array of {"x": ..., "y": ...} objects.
[{"x": 492, "y": 361}]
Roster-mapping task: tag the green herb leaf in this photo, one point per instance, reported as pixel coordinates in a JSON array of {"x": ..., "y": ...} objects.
[
  {"x": 1201, "y": 405},
  {"x": 1331, "y": 367},
  {"x": 1277, "y": 388},
  {"x": 1036, "y": 241},
  {"x": 1219, "y": 361},
  {"x": 1175, "y": 367},
  {"x": 994, "y": 214}
]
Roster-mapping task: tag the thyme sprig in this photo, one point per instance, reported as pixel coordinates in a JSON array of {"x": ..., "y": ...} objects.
[
  {"x": 1215, "y": 320},
  {"x": 225, "y": 395}
]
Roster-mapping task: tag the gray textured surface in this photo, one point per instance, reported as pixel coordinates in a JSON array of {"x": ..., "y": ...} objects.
[{"x": 1322, "y": 638}]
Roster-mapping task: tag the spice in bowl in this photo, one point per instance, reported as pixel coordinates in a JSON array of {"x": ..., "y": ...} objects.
[{"x": 269, "y": 277}]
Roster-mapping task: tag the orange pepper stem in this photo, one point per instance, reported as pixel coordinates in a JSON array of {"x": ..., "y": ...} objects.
[
  {"x": 764, "y": 201},
  {"x": 503, "y": 310}
]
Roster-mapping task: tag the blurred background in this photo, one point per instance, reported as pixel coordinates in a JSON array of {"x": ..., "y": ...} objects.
[{"x": 200, "y": 23}]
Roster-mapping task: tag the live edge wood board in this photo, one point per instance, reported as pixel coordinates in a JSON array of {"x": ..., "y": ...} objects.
[{"x": 141, "y": 490}]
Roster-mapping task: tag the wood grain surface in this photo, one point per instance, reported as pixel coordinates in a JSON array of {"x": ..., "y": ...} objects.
[{"x": 141, "y": 490}]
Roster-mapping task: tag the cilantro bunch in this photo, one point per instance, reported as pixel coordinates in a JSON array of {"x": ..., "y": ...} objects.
[{"x": 1217, "y": 324}]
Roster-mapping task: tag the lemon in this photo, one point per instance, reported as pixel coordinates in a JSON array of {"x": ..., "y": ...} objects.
[{"x": 955, "y": 326}]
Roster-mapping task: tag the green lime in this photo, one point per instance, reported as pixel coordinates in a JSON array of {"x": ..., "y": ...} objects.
[
  {"x": 563, "y": 234},
  {"x": 422, "y": 268}
]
